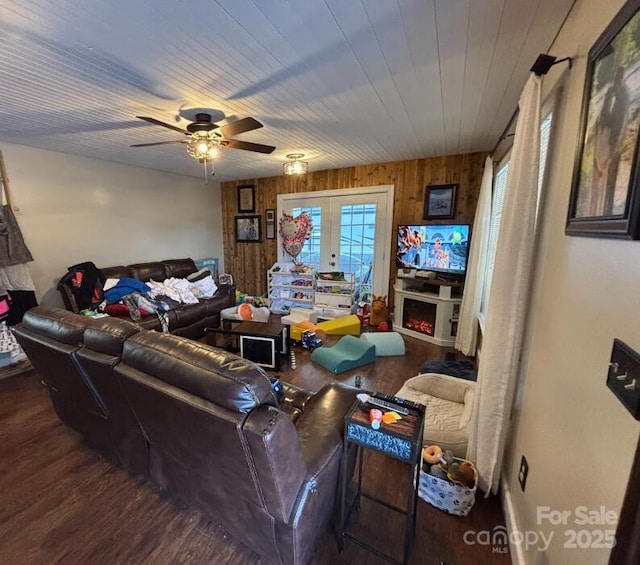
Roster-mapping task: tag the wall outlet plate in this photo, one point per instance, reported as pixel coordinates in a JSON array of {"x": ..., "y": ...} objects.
[
  {"x": 523, "y": 472},
  {"x": 623, "y": 377}
]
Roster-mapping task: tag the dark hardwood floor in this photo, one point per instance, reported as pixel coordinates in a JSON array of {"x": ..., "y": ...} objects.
[{"x": 61, "y": 502}]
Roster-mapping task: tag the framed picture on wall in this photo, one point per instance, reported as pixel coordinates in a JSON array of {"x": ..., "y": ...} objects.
[
  {"x": 248, "y": 229},
  {"x": 605, "y": 199},
  {"x": 439, "y": 201},
  {"x": 246, "y": 198},
  {"x": 270, "y": 224}
]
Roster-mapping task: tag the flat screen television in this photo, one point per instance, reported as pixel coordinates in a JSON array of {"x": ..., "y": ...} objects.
[{"x": 441, "y": 248}]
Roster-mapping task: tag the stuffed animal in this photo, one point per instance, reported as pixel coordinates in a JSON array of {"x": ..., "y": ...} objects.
[{"x": 379, "y": 311}]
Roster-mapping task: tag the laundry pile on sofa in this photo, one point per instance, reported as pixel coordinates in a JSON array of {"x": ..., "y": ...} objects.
[{"x": 130, "y": 297}]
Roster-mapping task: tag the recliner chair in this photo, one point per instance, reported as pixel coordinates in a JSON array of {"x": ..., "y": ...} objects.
[
  {"x": 84, "y": 391},
  {"x": 219, "y": 441}
]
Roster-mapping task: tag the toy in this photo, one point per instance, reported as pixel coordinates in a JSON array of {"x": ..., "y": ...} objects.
[
  {"x": 443, "y": 465},
  {"x": 379, "y": 311},
  {"x": 431, "y": 454},
  {"x": 363, "y": 312},
  {"x": 383, "y": 327},
  {"x": 310, "y": 340}
]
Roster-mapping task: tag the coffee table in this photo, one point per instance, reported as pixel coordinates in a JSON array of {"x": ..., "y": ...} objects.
[{"x": 264, "y": 343}]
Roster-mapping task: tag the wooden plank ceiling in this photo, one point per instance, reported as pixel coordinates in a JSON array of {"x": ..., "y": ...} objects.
[{"x": 344, "y": 82}]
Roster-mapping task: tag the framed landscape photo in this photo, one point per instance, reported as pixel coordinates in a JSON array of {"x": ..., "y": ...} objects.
[
  {"x": 604, "y": 196},
  {"x": 439, "y": 201},
  {"x": 246, "y": 198},
  {"x": 248, "y": 228}
]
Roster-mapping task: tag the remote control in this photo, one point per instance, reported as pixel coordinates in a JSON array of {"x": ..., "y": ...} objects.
[
  {"x": 383, "y": 404},
  {"x": 401, "y": 401}
]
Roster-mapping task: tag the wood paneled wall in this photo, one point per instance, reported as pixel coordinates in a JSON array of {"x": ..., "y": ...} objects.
[{"x": 248, "y": 262}]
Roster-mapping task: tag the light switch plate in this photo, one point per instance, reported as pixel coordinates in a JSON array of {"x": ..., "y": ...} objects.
[{"x": 623, "y": 377}]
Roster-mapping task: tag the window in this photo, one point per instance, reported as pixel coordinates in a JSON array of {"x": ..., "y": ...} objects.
[
  {"x": 499, "y": 185},
  {"x": 497, "y": 201}
]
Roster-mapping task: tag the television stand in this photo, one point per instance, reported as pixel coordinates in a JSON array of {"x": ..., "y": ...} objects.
[{"x": 427, "y": 309}]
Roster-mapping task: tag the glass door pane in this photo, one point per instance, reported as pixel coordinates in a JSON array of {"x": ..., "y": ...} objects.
[
  {"x": 310, "y": 254},
  {"x": 357, "y": 245}
]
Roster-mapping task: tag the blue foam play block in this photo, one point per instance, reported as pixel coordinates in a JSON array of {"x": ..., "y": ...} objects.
[{"x": 349, "y": 353}]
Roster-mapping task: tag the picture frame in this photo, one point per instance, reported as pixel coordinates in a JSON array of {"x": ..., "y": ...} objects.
[
  {"x": 246, "y": 198},
  {"x": 439, "y": 201},
  {"x": 248, "y": 229},
  {"x": 605, "y": 199},
  {"x": 270, "y": 224}
]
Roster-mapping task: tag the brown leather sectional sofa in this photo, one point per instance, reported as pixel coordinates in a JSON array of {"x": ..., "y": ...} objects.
[
  {"x": 188, "y": 320},
  {"x": 199, "y": 422}
]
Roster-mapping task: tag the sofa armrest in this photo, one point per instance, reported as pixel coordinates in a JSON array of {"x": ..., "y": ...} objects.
[
  {"x": 68, "y": 298},
  {"x": 321, "y": 425},
  {"x": 277, "y": 459},
  {"x": 295, "y": 397}
]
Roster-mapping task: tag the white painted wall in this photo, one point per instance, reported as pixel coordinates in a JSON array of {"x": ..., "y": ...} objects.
[
  {"x": 578, "y": 439},
  {"x": 74, "y": 209}
]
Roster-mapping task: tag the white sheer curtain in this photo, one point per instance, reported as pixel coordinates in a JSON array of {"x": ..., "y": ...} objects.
[
  {"x": 508, "y": 296},
  {"x": 466, "y": 338}
]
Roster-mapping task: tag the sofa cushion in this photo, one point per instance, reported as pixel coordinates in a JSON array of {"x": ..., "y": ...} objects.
[
  {"x": 118, "y": 272},
  {"x": 154, "y": 323},
  {"x": 146, "y": 271},
  {"x": 179, "y": 268},
  {"x": 207, "y": 372},
  {"x": 187, "y": 314}
]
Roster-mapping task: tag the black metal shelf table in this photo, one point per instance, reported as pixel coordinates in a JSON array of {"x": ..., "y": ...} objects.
[{"x": 401, "y": 440}]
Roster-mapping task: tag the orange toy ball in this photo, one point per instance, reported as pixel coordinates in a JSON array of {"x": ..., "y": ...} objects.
[{"x": 244, "y": 311}]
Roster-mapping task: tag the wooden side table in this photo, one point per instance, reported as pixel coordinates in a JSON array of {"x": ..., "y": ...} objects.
[{"x": 401, "y": 440}]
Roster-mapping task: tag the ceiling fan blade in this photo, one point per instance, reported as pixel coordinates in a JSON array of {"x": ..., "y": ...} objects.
[
  {"x": 248, "y": 146},
  {"x": 159, "y": 123},
  {"x": 241, "y": 126},
  {"x": 158, "y": 143}
]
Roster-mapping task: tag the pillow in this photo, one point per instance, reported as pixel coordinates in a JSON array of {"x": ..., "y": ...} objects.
[
  {"x": 117, "y": 310},
  {"x": 245, "y": 311},
  {"x": 109, "y": 284},
  {"x": 122, "y": 311},
  {"x": 205, "y": 286},
  {"x": 199, "y": 275}
]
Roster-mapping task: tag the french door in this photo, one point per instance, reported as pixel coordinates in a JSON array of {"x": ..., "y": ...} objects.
[{"x": 351, "y": 233}]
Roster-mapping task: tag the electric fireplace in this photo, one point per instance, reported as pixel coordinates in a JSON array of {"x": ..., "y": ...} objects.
[
  {"x": 419, "y": 316},
  {"x": 427, "y": 310}
]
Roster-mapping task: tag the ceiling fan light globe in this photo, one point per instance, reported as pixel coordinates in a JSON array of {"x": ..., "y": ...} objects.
[
  {"x": 295, "y": 166},
  {"x": 202, "y": 148}
]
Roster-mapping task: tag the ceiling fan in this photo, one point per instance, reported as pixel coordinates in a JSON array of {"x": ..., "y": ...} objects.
[{"x": 205, "y": 138}]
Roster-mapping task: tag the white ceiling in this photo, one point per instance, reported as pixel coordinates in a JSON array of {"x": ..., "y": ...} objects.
[{"x": 344, "y": 81}]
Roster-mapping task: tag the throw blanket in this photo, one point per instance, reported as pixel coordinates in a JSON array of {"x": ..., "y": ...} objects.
[
  {"x": 180, "y": 290},
  {"x": 123, "y": 287}
]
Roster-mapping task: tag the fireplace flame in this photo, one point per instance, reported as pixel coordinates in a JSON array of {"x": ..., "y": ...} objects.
[{"x": 418, "y": 325}]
